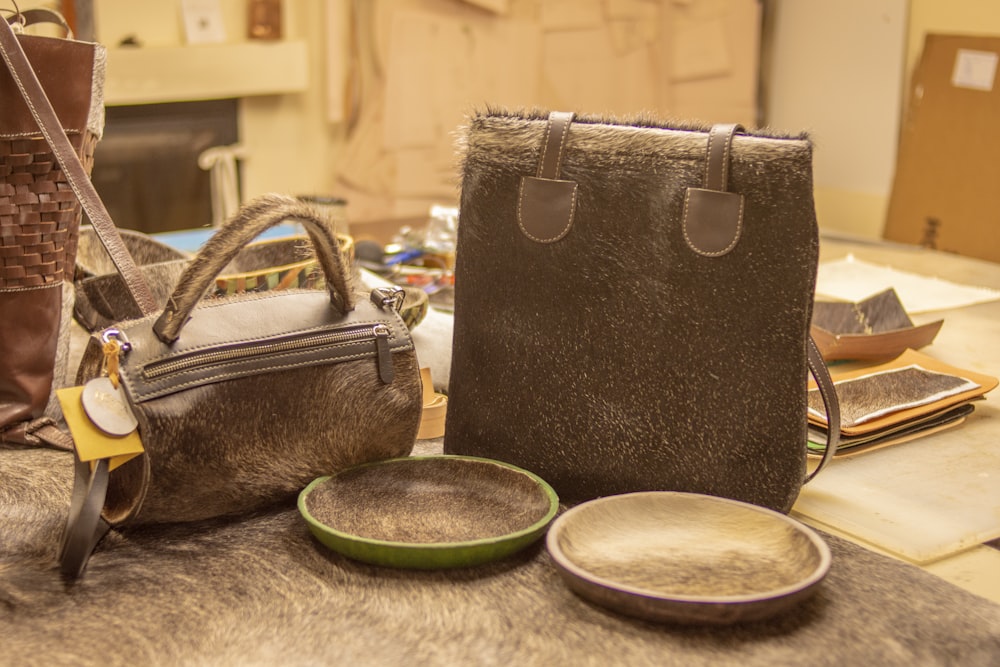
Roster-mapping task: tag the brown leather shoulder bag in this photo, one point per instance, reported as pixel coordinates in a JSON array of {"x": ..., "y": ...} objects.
[{"x": 40, "y": 215}]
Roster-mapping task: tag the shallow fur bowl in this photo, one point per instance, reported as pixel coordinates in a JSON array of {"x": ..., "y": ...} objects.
[
  {"x": 686, "y": 558},
  {"x": 429, "y": 512}
]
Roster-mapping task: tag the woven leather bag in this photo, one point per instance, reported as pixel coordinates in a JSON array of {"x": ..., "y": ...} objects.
[
  {"x": 40, "y": 216},
  {"x": 241, "y": 401},
  {"x": 632, "y": 306}
]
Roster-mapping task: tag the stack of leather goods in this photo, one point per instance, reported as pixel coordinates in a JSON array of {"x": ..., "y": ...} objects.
[{"x": 896, "y": 401}]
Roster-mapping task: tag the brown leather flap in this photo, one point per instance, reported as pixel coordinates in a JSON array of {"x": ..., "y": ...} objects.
[
  {"x": 29, "y": 331},
  {"x": 65, "y": 69},
  {"x": 713, "y": 221},
  {"x": 545, "y": 208},
  {"x": 546, "y": 204}
]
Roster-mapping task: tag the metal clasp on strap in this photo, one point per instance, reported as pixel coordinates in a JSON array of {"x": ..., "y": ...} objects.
[
  {"x": 119, "y": 336},
  {"x": 388, "y": 297}
]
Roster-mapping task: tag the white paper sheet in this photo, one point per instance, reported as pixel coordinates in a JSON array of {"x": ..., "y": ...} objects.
[{"x": 852, "y": 279}]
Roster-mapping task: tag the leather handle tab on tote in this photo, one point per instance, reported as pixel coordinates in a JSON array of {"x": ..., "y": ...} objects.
[
  {"x": 253, "y": 219},
  {"x": 713, "y": 216},
  {"x": 546, "y": 204}
]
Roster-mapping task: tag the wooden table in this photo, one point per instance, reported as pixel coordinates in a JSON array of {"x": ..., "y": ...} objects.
[{"x": 894, "y": 499}]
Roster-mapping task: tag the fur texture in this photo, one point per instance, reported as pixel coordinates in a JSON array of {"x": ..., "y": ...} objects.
[
  {"x": 92, "y": 259},
  {"x": 241, "y": 434},
  {"x": 102, "y": 297},
  {"x": 616, "y": 359},
  {"x": 259, "y": 590}
]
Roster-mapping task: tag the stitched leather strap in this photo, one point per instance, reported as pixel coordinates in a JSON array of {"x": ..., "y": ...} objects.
[
  {"x": 546, "y": 204},
  {"x": 828, "y": 392},
  {"x": 85, "y": 527},
  {"x": 720, "y": 142},
  {"x": 26, "y": 17},
  {"x": 550, "y": 163},
  {"x": 713, "y": 216},
  {"x": 36, "y": 100}
]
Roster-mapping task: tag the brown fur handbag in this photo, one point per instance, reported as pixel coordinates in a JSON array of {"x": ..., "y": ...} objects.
[
  {"x": 241, "y": 401},
  {"x": 632, "y": 306}
]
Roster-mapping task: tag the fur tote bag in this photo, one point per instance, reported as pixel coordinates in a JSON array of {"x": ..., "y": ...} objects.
[{"x": 632, "y": 306}]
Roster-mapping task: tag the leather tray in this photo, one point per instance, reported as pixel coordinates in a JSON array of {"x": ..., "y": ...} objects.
[{"x": 875, "y": 328}]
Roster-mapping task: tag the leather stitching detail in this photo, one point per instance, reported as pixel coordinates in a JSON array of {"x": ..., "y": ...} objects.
[
  {"x": 717, "y": 253},
  {"x": 540, "y": 173},
  {"x": 562, "y": 144},
  {"x": 566, "y": 227}
]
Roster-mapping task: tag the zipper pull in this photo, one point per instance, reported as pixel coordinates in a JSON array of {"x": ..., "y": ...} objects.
[{"x": 383, "y": 356}]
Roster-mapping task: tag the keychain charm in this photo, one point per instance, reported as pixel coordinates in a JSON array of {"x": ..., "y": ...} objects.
[{"x": 102, "y": 397}]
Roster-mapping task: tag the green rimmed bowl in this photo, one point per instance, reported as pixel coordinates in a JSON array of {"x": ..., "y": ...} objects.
[{"x": 429, "y": 512}]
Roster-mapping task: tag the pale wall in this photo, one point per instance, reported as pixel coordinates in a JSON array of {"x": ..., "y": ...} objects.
[
  {"x": 861, "y": 131},
  {"x": 295, "y": 148},
  {"x": 842, "y": 71},
  {"x": 291, "y": 147},
  {"x": 836, "y": 71}
]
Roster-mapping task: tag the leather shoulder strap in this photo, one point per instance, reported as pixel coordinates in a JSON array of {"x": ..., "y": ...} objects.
[
  {"x": 36, "y": 100},
  {"x": 84, "y": 526},
  {"x": 828, "y": 392}
]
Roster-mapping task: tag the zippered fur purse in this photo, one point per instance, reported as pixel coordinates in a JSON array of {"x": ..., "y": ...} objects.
[
  {"x": 632, "y": 306},
  {"x": 241, "y": 401}
]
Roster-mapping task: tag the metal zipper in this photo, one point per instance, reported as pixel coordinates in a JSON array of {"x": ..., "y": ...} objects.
[{"x": 379, "y": 333}]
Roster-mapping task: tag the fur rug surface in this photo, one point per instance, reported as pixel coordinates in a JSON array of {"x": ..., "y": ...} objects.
[{"x": 261, "y": 591}]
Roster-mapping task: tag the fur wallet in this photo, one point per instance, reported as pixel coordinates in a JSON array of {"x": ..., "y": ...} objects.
[{"x": 224, "y": 405}]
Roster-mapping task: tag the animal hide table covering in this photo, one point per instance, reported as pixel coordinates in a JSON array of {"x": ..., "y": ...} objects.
[{"x": 260, "y": 590}]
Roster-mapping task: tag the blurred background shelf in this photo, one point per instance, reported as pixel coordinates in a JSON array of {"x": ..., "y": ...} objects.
[{"x": 149, "y": 75}]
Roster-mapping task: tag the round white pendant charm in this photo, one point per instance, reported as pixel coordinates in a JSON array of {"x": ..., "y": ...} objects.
[{"x": 107, "y": 408}]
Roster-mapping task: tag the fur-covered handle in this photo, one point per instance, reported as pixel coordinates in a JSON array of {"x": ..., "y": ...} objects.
[{"x": 250, "y": 221}]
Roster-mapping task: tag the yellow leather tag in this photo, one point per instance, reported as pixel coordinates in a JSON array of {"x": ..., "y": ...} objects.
[{"x": 91, "y": 442}]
